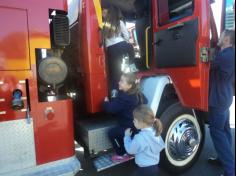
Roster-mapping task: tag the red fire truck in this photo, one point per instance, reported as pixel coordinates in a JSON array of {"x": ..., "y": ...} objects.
[
  {"x": 53, "y": 79},
  {"x": 36, "y": 131}
]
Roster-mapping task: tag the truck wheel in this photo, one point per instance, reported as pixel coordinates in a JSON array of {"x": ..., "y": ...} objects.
[{"x": 184, "y": 137}]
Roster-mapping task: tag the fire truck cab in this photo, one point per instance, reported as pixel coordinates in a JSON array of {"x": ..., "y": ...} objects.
[{"x": 175, "y": 40}]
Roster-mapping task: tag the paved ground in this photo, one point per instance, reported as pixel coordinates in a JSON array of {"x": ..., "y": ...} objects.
[{"x": 201, "y": 168}]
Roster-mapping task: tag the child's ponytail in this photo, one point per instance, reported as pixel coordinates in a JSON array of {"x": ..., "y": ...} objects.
[
  {"x": 157, "y": 125},
  {"x": 145, "y": 114}
]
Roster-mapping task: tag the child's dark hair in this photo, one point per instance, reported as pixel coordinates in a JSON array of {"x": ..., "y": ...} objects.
[
  {"x": 144, "y": 114},
  {"x": 111, "y": 26}
]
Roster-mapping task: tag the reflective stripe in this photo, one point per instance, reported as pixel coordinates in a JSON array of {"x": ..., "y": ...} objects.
[
  {"x": 2, "y": 99},
  {"x": 3, "y": 112},
  {"x": 147, "y": 47},
  {"x": 22, "y": 82},
  {"x": 98, "y": 10}
]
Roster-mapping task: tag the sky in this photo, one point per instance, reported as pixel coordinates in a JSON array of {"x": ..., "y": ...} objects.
[
  {"x": 217, "y": 9},
  {"x": 229, "y": 3}
]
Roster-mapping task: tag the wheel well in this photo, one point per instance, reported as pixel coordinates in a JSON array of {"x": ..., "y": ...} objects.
[
  {"x": 202, "y": 115},
  {"x": 168, "y": 98}
]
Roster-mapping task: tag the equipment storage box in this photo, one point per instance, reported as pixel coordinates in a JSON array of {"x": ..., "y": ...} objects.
[{"x": 94, "y": 133}]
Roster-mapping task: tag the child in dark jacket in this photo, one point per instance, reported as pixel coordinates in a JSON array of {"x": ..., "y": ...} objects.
[{"x": 128, "y": 98}]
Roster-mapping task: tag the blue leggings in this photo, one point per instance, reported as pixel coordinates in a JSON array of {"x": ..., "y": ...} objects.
[{"x": 116, "y": 136}]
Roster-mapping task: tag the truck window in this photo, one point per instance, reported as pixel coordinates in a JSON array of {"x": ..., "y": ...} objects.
[{"x": 172, "y": 10}]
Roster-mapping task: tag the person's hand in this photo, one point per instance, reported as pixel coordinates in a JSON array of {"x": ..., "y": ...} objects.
[
  {"x": 106, "y": 99},
  {"x": 128, "y": 132}
]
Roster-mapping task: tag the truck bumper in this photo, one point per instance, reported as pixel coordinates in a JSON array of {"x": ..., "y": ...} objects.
[{"x": 65, "y": 167}]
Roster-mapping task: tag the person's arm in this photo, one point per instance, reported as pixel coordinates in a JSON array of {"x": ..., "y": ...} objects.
[
  {"x": 124, "y": 31},
  {"x": 224, "y": 64},
  {"x": 215, "y": 64},
  {"x": 114, "y": 106},
  {"x": 133, "y": 146}
]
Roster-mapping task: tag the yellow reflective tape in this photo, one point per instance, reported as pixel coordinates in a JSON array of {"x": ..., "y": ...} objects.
[
  {"x": 98, "y": 9},
  {"x": 147, "y": 47}
]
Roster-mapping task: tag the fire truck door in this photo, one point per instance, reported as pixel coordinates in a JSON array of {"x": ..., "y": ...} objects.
[{"x": 181, "y": 42}]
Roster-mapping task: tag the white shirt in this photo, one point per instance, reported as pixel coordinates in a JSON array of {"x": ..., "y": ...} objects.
[{"x": 122, "y": 36}]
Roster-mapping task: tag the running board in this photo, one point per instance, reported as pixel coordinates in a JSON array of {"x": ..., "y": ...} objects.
[{"x": 104, "y": 162}]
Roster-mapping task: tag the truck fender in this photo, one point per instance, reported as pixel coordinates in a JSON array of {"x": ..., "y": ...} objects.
[{"x": 152, "y": 88}]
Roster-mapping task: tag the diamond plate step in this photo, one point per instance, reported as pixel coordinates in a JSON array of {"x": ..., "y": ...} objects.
[{"x": 104, "y": 162}]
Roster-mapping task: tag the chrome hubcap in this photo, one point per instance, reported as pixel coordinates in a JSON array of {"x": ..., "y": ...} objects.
[{"x": 183, "y": 140}]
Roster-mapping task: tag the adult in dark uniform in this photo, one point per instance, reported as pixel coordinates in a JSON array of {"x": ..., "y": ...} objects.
[{"x": 222, "y": 76}]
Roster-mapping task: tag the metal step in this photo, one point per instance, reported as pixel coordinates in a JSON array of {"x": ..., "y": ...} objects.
[
  {"x": 94, "y": 133},
  {"x": 104, "y": 162}
]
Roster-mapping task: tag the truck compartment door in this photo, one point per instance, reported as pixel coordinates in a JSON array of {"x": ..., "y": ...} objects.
[
  {"x": 14, "y": 46},
  {"x": 181, "y": 41}
]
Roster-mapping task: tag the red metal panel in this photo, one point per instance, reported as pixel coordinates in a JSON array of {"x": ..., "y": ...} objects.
[
  {"x": 95, "y": 83},
  {"x": 53, "y": 136},
  {"x": 14, "y": 48},
  {"x": 191, "y": 83},
  {"x": 92, "y": 59}
]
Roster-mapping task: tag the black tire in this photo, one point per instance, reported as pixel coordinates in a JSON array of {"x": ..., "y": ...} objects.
[{"x": 189, "y": 137}]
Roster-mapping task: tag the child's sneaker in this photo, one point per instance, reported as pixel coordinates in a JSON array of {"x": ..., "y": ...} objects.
[{"x": 118, "y": 158}]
